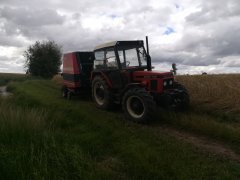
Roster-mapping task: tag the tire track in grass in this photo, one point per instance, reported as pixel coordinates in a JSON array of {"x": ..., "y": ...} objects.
[{"x": 202, "y": 143}]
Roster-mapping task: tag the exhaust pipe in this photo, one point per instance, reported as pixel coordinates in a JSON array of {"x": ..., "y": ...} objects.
[
  {"x": 147, "y": 45},
  {"x": 149, "y": 62}
]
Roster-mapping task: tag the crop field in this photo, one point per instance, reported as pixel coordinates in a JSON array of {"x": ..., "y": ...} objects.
[
  {"x": 217, "y": 92},
  {"x": 44, "y": 136}
]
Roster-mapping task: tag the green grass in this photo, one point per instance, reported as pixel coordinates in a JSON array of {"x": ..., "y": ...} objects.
[{"x": 44, "y": 136}]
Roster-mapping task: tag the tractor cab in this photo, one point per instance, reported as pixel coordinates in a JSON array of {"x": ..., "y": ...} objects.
[
  {"x": 118, "y": 60},
  {"x": 122, "y": 55}
]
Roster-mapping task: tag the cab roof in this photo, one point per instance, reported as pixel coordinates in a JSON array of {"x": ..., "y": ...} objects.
[{"x": 118, "y": 43}]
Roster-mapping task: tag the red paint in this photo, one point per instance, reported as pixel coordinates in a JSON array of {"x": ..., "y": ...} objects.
[
  {"x": 144, "y": 77},
  {"x": 70, "y": 65}
]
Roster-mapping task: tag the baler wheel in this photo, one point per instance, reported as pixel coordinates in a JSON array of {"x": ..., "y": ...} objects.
[
  {"x": 64, "y": 91},
  {"x": 69, "y": 95}
]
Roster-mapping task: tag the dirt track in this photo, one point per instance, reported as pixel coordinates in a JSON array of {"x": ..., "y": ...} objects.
[{"x": 202, "y": 143}]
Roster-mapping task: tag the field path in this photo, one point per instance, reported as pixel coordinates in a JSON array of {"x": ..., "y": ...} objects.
[{"x": 201, "y": 142}]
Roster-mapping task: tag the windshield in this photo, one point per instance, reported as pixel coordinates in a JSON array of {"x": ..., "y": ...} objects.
[{"x": 132, "y": 57}]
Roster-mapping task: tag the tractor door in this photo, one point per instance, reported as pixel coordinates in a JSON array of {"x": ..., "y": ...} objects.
[
  {"x": 113, "y": 69},
  {"x": 105, "y": 61}
]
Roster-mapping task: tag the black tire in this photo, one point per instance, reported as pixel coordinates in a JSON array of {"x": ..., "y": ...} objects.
[
  {"x": 101, "y": 93},
  {"x": 64, "y": 91},
  {"x": 179, "y": 86},
  {"x": 69, "y": 95},
  {"x": 138, "y": 105},
  {"x": 183, "y": 100}
]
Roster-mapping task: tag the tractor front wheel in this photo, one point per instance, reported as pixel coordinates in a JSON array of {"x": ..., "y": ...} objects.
[
  {"x": 101, "y": 93},
  {"x": 183, "y": 100},
  {"x": 138, "y": 105}
]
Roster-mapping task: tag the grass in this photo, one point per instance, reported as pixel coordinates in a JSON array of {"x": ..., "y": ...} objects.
[{"x": 43, "y": 136}]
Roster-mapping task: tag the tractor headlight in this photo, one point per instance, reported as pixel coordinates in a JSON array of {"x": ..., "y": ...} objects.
[
  {"x": 170, "y": 82},
  {"x": 165, "y": 83}
]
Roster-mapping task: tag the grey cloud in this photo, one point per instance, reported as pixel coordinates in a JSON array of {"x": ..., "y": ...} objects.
[
  {"x": 235, "y": 64},
  {"x": 211, "y": 11},
  {"x": 209, "y": 35},
  {"x": 184, "y": 58},
  {"x": 26, "y": 22},
  {"x": 4, "y": 59},
  {"x": 7, "y": 40},
  {"x": 11, "y": 65},
  {"x": 31, "y": 17}
]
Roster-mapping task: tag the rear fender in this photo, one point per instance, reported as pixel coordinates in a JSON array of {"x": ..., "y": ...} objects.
[
  {"x": 130, "y": 86},
  {"x": 104, "y": 76}
]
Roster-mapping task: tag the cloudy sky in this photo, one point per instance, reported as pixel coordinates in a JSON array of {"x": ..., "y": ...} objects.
[{"x": 199, "y": 36}]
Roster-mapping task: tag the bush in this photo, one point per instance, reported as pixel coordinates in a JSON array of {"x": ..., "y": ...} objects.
[{"x": 43, "y": 59}]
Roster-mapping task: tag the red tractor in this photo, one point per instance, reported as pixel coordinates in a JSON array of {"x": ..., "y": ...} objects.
[{"x": 120, "y": 72}]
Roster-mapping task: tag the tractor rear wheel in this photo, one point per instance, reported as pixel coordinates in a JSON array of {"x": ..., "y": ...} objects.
[
  {"x": 138, "y": 105},
  {"x": 101, "y": 93}
]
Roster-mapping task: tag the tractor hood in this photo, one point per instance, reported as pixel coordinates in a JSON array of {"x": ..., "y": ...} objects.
[
  {"x": 154, "y": 81},
  {"x": 152, "y": 74}
]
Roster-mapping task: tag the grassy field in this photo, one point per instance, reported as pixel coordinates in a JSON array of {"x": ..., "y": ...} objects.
[
  {"x": 8, "y": 77},
  {"x": 43, "y": 136}
]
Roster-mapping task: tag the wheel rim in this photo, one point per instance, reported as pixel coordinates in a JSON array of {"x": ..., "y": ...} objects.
[
  {"x": 135, "y": 106},
  {"x": 99, "y": 93}
]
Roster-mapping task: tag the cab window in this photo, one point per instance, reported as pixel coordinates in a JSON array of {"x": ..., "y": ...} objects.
[
  {"x": 99, "y": 60},
  {"x": 111, "y": 59}
]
